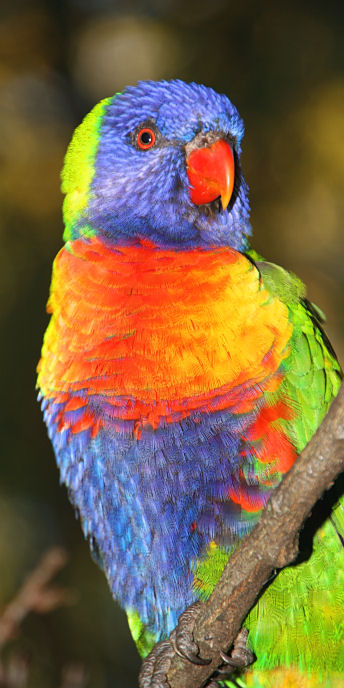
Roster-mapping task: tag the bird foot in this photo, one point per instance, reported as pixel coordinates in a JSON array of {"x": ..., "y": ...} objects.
[
  {"x": 181, "y": 642},
  {"x": 182, "y": 637},
  {"x": 239, "y": 658},
  {"x": 155, "y": 667}
]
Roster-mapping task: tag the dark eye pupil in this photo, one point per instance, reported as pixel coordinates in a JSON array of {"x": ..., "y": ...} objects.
[{"x": 146, "y": 137}]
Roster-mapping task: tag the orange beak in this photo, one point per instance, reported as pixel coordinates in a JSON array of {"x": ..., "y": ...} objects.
[{"x": 211, "y": 173}]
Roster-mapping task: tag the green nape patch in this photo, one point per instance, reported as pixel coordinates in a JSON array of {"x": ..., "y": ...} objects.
[
  {"x": 78, "y": 169},
  {"x": 144, "y": 639}
]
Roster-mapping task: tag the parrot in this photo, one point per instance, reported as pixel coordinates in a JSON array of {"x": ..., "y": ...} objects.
[{"x": 181, "y": 375}]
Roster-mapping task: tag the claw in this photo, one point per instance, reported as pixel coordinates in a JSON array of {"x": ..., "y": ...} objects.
[
  {"x": 195, "y": 659},
  {"x": 187, "y": 651},
  {"x": 230, "y": 660},
  {"x": 241, "y": 656},
  {"x": 183, "y": 640}
]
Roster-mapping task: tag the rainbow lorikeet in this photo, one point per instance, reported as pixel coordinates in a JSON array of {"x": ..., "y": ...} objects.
[{"x": 181, "y": 375}]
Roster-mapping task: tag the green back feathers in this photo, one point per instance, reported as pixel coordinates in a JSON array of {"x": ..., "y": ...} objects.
[
  {"x": 78, "y": 169},
  {"x": 297, "y": 622}
]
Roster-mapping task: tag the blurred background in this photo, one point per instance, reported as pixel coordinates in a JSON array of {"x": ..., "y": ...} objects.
[{"x": 282, "y": 64}]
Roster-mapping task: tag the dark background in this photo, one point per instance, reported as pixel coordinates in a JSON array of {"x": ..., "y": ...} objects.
[{"x": 282, "y": 65}]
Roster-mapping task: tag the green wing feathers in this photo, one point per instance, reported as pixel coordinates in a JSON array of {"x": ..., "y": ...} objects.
[
  {"x": 297, "y": 626},
  {"x": 312, "y": 374}
]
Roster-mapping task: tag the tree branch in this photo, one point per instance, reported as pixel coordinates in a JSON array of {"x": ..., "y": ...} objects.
[
  {"x": 36, "y": 594},
  {"x": 272, "y": 544}
]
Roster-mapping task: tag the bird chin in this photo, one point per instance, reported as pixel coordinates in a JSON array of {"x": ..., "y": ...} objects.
[{"x": 213, "y": 208}]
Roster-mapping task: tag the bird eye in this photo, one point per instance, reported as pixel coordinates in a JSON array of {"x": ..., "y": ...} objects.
[{"x": 145, "y": 138}]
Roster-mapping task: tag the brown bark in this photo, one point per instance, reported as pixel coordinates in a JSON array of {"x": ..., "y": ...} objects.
[{"x": 272, "y": 544}]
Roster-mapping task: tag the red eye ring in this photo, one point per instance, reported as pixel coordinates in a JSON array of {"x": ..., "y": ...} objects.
[{"x": 145, "y": 138}]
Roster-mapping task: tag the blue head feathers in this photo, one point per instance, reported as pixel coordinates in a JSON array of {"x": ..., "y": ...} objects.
[{"x": 123, "y": 187}]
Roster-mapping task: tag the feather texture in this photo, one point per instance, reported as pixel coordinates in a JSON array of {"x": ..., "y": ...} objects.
[{"x": 180, "y": 378}]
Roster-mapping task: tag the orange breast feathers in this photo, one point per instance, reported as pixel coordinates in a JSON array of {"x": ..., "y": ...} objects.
[{"x": 168, "y": 329}]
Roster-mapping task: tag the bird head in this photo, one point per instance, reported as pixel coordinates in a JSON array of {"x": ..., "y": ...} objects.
[{"x": 159, "y": 162}]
